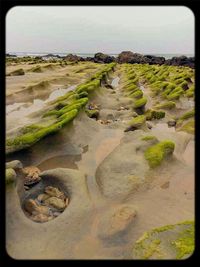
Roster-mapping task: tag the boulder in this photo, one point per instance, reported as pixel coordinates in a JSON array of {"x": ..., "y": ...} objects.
[
  {"x": 154, "y": 59},
  {"x": 73, "y": 58},
  {"x": 103, "y": 58},
  {"x": 129, "y": 57}
]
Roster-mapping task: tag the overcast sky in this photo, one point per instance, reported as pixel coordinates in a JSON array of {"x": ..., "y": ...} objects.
[{"x": 110, "y": 29}]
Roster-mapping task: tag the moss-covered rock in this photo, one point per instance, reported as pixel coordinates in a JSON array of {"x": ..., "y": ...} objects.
[
  {"x": 187, "y": 115},
  {"x": 30, "y": 138},
  {"x": 154, "y": 114},
  {"x": 157, "y": 153},
  {"x": 140, "y": 102},
  {"x": 137, "y": 94},
  {"x": 92, "y": 113},
  {"x": 10, "y": 175},
  {"x": 188, "y": 127},
  {"x": 137, "y": 121},
  {"x": 166, "y": 105}
]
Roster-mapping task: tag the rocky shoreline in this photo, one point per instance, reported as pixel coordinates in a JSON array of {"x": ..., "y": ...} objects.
[
  {"x": 100, "y": 160},
  {"x": 125, "y": 57}
]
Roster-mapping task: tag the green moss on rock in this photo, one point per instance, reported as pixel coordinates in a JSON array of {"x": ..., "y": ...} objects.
[
  {"x": 189, "y": 127},
  {"x": 10, "y": 175},
  {"x": 154, "y": 114},
  {"x": 140, "y": 102},
  {"x": 92, "y": 113},
  {"x": 166, "y": 105},
  {"x": 137, "y": 121},
  {"x": 157, "y": 153},
  {"x": 30, "y": 138},
  {"x": 149, "y": 138}
]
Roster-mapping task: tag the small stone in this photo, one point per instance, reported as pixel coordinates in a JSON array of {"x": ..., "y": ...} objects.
[
  {"x": 32, "y": 175},
  {"x": 149, "y": 125},
  {"x": 26, "y": 187},
  {"x": 33, "y": 208},
  {"x": 42, "y": 197},
  {"x": 54, "y": 192},
  {"x": 56, "y": 203},
  {"x": 171, "y": 123}
]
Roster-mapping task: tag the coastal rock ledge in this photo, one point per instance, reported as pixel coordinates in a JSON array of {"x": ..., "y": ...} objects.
[{"x": 130, "y": 57}]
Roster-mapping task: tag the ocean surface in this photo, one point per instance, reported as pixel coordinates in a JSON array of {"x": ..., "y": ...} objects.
[{"x": 84, "y": 55}]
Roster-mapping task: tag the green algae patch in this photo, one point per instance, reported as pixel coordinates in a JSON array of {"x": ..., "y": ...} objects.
[
  {"x": 167, "y": 242},
  {"x": 166, "y": 105},
  {"x": 140, "y": 102},
  {"x": 189, "y": 127},
  {"x": 154, "y": 114},
  {"x": 184, "y": 244},
  {"x": 149, "y": 138},
  {"x": 190, "y": 92},
  {"x": 175, "y": 94},
  {"x": 10, "y": 176},
  {"x": 137, "y": 121},
  {"x": 137, "y": 94},
  {"x": 157, "y": 153},
  {"x": 187, "y": 115}
]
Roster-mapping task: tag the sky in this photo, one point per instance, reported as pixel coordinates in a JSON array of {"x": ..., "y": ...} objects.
[{"x": 107, "y": 29}]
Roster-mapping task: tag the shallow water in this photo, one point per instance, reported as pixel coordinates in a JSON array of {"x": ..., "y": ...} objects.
[
  {"x": 115, "y": 81},
  {"x": 17, "y": 113}
]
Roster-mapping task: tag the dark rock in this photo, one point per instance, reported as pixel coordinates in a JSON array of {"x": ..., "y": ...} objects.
[
  {"x": 51, "y": 55},
  {"x": 10, "y": 55},
  {"x": 171, "y": 123},
  {"x": 71, "y": 57},
  {"x": 103, "y": 58},
  {"x": 130, "y": 57},
  {"x": 181, "y": 61},
  {"x": 155, "y": 60}
]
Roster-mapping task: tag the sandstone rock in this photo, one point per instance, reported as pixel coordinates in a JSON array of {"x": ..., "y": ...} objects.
[
  {"x": 15, "y": 164},
  {"x": 116, "y": 222}
]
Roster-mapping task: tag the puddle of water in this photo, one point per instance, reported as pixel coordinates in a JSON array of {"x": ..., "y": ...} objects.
[
  {"x": 66, "y": 161},
  {"x": 17, "y": 113},
  {"x": 59, "y": 92},
  {"x": 115, "y": 82}
]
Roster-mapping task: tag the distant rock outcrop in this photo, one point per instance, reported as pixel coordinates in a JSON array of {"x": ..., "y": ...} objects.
[
  {"x": 130, "y": 57},
  {"x": 71, "y": 57},
  {"x": 181, "y": 61}
]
